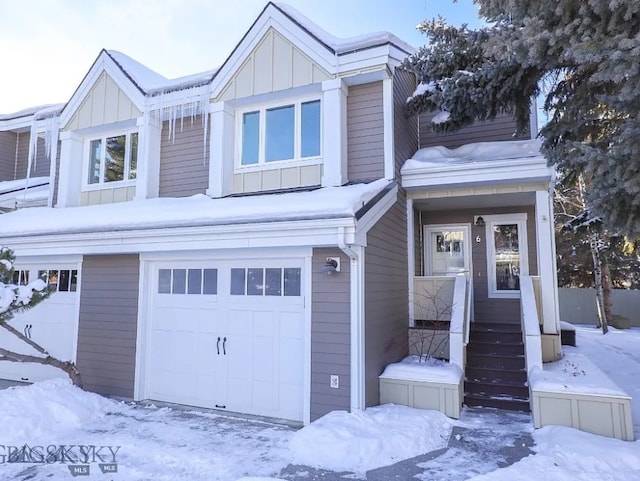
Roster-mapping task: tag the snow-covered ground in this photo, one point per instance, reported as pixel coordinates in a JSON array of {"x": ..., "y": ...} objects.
[{"x": 168, "y": 444}]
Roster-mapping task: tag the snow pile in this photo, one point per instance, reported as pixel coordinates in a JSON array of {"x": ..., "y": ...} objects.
[
  {"x": 474, "y": 152},
  {"x": 377, "y": 437},
  {"x": 11, "y": 186},
  {"x": 39, "y": 412},
  {"x": 199, "y": 210},
  {"x": 574, "y": 372},
  {"x": 566, "y": 454},
  {"x": 412, "y": 368}
]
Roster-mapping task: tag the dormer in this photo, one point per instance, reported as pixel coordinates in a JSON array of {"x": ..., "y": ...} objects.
[
  {"x": 279, "y": 103},
  {"x": 111, "y": 129}
]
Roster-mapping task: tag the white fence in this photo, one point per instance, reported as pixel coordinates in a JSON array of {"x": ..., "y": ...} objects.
[{"x": 578, "y": 306}]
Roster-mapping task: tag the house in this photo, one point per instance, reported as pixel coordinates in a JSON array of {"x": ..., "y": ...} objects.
[{"x": 255, "y": 238}]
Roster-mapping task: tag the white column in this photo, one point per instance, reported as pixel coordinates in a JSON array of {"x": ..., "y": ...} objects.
[
  {"x": 334, "y": 132},
  {"x": 411, "y": 256},
  {"x": 71, "y": 169},
  {"x": 547, "y": 271},
  {"x": 389, "y": 145},
  {"x": 148, "y": 173},
  {"x": 221, "y": 149}
]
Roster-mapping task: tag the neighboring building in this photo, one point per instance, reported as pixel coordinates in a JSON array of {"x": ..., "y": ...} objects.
[{"x": 194, "y": 225}]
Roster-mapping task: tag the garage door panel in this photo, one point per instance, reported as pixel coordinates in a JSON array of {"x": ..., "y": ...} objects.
[
  {"x": 258, "y": 367},
  {"x": 52, "y": 324}
]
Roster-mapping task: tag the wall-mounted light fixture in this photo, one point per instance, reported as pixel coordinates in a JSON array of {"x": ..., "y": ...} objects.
[
  {"x": 478, "y": 220},
  {"x": 331, "y": 266}
]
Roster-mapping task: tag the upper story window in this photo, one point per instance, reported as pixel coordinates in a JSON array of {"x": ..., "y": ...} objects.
[
  {"x": 113, "y": 158},
  {"x": 280, "y": 133}
]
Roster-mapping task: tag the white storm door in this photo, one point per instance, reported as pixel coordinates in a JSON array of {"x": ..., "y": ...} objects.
[
  {"x": 507, "y": 254},
  {"x": 447, "y": 250}
]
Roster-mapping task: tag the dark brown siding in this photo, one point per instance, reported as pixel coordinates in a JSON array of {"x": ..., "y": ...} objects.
[
  {"x": 386, "y": 296},
  {"x": 365, "y": 132},
  {"x": 7, "y": 155},
  {"x": 330, "y": 335},
  {"x": 502, "y": 128},
  {"x": 486, "y": 309},
  {"x": 108, "y": 323},
  {"x": 40, "y": 167},
  {"x": 184, "y": 166}
]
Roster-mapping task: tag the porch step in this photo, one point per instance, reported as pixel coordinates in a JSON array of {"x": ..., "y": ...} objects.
[
  {"x": 495, "y": 373},
  {"x": 500, "y": 402},
  {"x": 512, "y": 362}
]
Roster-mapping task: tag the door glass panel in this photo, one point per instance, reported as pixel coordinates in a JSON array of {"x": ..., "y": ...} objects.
[
  {"x": 507, "y": 257},
  {"x": 255, "y": 282},
  {"x": 237, "y": 282},
  {"x": 273, "y": 282},
  {"x": 195, "y": 281},
  {"x": 292, "y": 281},
  {"x": 447, "y": 252},
  {"x": 210, "y": 281},
  {"x": 179, "y": 281}
]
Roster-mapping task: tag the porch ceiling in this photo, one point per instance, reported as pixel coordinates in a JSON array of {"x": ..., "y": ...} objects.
[{"x": 476, "y": 201}]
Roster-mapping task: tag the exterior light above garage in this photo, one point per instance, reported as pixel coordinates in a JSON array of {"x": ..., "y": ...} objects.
[{"x": 332, "y": 266}]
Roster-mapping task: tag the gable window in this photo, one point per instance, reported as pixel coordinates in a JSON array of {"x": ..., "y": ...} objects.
[
  {"x": 113, "y": 158},
  {"x": 280, "y": 133}
]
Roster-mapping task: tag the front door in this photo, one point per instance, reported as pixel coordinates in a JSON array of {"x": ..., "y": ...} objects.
[
  {"x": 447, "y": 250},
  {"x": 507, "y": 254}
]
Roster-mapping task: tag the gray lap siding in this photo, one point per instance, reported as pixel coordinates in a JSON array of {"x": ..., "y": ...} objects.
[
  {"x": 108, "y": 324},
  {"x": 330, "y": 334}
]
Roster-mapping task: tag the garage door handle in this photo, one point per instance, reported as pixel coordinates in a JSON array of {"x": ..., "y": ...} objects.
[
  {"x": 218, "y": 345},
  {"x": 224, "y": 346}
]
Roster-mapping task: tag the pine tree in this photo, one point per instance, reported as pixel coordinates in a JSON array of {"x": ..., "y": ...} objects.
[
  {"x": 581, "y": 56},
  {"x": 15, "y": 298}
]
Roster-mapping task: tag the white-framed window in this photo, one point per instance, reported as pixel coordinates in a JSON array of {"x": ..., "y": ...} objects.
[
  {"x": 279, "y": 132},
  {"x": 507, "y": 254},
  {"x": 112, "y": 158}
]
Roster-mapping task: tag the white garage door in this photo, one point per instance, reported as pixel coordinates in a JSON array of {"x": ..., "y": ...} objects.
[
  {"x": 228, "y": 336},
  {"x": 53, "y": 323}
]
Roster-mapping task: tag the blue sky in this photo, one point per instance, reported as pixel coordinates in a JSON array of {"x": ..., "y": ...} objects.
[{"x": 47, "y": 46}]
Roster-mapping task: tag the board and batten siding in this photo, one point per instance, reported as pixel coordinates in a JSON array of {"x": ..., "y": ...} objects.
[
  {"x": 184, "y": 159},
  {"x": 7, "y": 155},
  {"x": 108, "y": 324},
  {"x": 485, "y": 309},
  {"x": 386, "y": 296},
  {"x": 330, "y": 334},
  {"x": 502, "y": 128},
  {"x": 365, "y": 132},
  {"x": 40, "y": 165}
]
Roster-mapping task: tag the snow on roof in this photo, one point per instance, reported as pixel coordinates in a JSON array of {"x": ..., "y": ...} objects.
[
  {"x": 39, "y": 111},
  {"x": 152, "y": 82},
  {"x": 198, "y": 210},
  {"x": 18, "y": 185},
  {"x": 344, "y": 45},
  {"x": 475, "y": 152}
]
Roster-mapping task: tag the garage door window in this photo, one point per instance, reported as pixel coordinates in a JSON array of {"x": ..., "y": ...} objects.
[
  {"x": 259, "y": 281},
  {"x": 63, "y": 280},
  {"x": 188, "y": 281},
  {"x": 20, "y": 278}
]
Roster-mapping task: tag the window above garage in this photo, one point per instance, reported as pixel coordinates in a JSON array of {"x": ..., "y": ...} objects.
[
  {"x": 111, "y": 159},
  {"x": 283, "y": 132}
]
